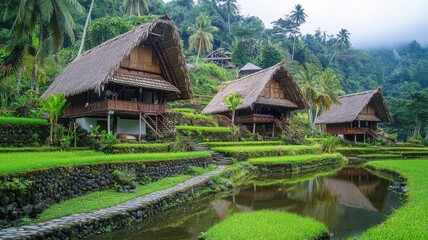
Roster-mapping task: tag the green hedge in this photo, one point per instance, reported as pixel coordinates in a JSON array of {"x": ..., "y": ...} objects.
[
  {"x": 140, "y": 147},
  {"x": 266, "y": 225},
  {"x": 25, "y": 121},
  {"x": 242, "y": 153},
  {"x": 249, "y": 143}
]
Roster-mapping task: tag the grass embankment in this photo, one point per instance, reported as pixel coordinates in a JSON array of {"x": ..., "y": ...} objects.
[
  {"x": 248, "y": 143},
  {"x": 266, "y": 225},
  {"x": 411, "y": 220},
  {"x": 20, "y": 162},
  {"x": 203, "y": 129},
  {"x": 104, "y": 199},
  {"x": 183, "y": 110},
  {"x": 352, "y": 151},
  {"x": 294, "y": 159},
  {"x": 242, "y": 153},
  {"x": 28, "y": 121},
  {"x": 140, "y": 147},
  {"x": 38, "y": 149}
]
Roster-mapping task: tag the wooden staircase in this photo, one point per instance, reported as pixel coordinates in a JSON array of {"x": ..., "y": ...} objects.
[{"x": 159, "y": 124}]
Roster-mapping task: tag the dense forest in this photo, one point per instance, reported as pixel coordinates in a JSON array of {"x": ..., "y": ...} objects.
[{"x": 40, "y": 37}]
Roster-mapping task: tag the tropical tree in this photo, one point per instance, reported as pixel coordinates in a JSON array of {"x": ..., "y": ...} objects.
[
  {"x": 201, "y": 38},
  {"x": 54, "y": 105},
  {"x": 88, "y": 19},
  {"x": 136, "y": 7},
  {"x": 343, "y": 39},
  {"x": 54, "y": 21},
  {"x": 232, "y": 102},
  {"x": 329, "y": 90},
  {"x": 308, "y": 80},
  {"x": 231, "y": 7},
  {"x": 298, "y": 16}
]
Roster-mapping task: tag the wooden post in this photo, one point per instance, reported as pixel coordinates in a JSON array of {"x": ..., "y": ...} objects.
[
  {"x": 139, "y": 130},
  {"x": 254, "y": 128},
  {"x": 108, "y": 122},
  {"x": 364, "y": 138},
  {"x": 355, "y": 138},
  {"x": 273, "y": 130}
]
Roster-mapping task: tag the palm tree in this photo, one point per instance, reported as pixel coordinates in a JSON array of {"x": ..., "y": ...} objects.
[
  {"x": 298, "y": 16},
  {"x": 231, "y": 7},
  {"x": 54, "y": 105},
  {"x": 232, "y": 102},
  {"x": 88, "y": 18},
  {"x": 330, "y": 89},
  {"x": 308, "y": 80},
  {"x": 136, "y": 7},
  {"x": 54, "y": 19},
  {"x": 201, "y": 35},
  {"x": 343, "y": 39}
]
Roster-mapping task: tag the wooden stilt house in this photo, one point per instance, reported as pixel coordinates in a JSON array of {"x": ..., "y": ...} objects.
[
  {"x": 221, "y": 57},
  {"x": 123, "y": 84},
  {"x": 268, "y": 98},
  {"x": 356, "y": 116}
]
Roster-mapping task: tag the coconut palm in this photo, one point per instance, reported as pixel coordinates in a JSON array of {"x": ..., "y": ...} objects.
[
  {"x": 54, "y": 21},
  {"x": 232, "y": 102},
  {"x": 231, "y": 7},
  {"x": 88, "y": 19},
  {"x": 136, "y": 7},
  {"x": 298, "y": 16},
  {"x": 308, "y": 80},
  {"x": 343, "y": 39},
  {"x": 329, "y": 90},
  {"x": 201, "y": 38}
]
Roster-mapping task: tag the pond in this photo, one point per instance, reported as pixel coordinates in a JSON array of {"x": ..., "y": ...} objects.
[{"x": 349, "y": 202}]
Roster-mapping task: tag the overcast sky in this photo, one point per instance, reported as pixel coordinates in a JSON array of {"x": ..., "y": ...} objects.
[{"x": 370, "y": 22}]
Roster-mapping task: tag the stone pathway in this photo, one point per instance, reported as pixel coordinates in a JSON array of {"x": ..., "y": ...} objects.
[
  {"x": 217, "y": 157},
  {"x": 38, "y": 230}
]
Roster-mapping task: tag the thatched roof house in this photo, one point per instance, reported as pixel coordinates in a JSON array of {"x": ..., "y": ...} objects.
[
  {"x": 122, "y": 84},
  {"x": 98, "y": 66},
  {"x": 268, "y": 96},
  {"x": 356, "y": 115},
  {"x": 221, "y": 57},
  {"x": 249, "y": 68}
]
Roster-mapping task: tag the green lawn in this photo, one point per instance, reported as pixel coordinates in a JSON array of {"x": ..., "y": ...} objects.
[
  {"x": 291, "y": 159},
  {"x": 248, "y": 143},
  {"x": 204, "y": 129},
  {"x": 266, "y": 225},
  {"x": 20, "y": 162},
  {"x": 108, "y": 198},
  {"x": 17, "y": 120},
  {"x": 411, "y": 220}
]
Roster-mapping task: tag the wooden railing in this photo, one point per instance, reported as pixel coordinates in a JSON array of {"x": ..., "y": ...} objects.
[
  {"x": 340, "y": 130},
  {"x": 115, "y": 105},
  {"x": 254, "y": 118}
]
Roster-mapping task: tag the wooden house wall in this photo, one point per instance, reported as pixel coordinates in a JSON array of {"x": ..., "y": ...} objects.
[
  {"x": 274, "y": 89},
  {"x": 142, "y": 58}
]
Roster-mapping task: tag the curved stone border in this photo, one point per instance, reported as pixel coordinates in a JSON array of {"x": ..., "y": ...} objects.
[{"x": 119, "y": 216}]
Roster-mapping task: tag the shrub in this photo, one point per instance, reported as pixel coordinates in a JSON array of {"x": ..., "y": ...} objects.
[
  {"x": 330, "y": 143},
  {"x": 16, "y": 186},
  {"x": 125, "y": 177}
]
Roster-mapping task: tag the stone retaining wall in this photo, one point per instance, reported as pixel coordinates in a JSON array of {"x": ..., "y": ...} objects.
[
  {"x": 23, "y": 135},
  {"x": 299, "y": 168},
  {"x": 61, "y": 183},
  {"x": 84, "y": 225}
]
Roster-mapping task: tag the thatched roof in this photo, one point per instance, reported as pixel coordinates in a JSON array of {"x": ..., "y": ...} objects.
[
  {"x": 251, "y": 87},
  {"x": 97, "y": 66},
  {"x": 250, "y": 67},
  {"x": 350, "y": 106}
]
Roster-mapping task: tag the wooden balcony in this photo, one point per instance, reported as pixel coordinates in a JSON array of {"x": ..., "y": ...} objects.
[
  {"x": 120, "y": 106},
  {"x": 254, "y": 118},
  {"x": 351, "y": 131}
]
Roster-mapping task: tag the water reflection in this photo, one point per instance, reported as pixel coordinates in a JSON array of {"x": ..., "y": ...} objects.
[{"x": 348, "y": 202}]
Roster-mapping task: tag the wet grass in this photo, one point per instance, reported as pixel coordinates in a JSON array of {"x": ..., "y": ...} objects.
[
  {"x": 248, "y": 143},
  {"x": 293, "y": 159},
  {"x": 20, "y": 162},
  {"x": 28, "y": 121},
  {"x": 107, "y": 198},
  {"x": 203, "y": 129},
  {"x": 267, "y": 225},
  {"x": 411, "y": 220}
]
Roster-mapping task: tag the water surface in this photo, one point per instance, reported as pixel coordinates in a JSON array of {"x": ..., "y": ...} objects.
[{"x": 348, "y": 202}]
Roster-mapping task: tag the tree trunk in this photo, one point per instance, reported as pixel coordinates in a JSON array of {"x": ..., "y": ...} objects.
[
  {"x": 19, "y": 80},
  {"x": 228, "y": 19},
  {"x": 233, "y": 118},
  {"x": 311, "y": 123},
  {"x": 294, "y": 42},
  {"x": 199, "y": 51},
  {"x": 334, "y": 54},
  {"x": 88, "y": 18},
  {"x": 51, "y": 132}
]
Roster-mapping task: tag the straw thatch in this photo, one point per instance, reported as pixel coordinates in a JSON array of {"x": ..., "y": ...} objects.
[
  {"x": 350, "y": 106},
  {"x": 250, "y": 67},
  {"x": 251, "y": 88},
  {"x": 96, "y": 67}
]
